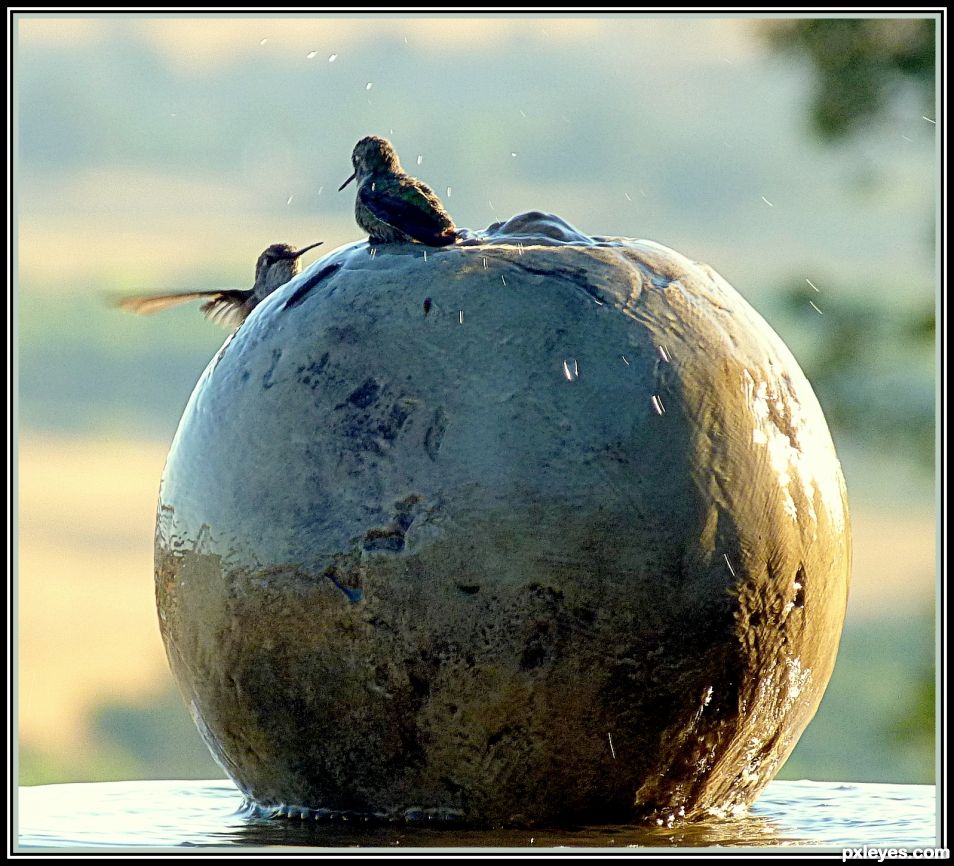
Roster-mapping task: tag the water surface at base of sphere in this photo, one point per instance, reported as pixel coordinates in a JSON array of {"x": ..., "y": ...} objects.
[{"x": 139, "y": 815}]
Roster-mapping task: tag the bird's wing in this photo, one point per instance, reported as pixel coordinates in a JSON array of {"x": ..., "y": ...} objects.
[
  {"x": 226, "y": 310},
  {"x": 223, "y": 306},
  {"x": 146, "y": 305},
  {"x": 411, "y": 211}
]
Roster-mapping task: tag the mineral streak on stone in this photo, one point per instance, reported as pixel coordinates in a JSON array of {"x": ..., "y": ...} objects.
[{"x": 440, "y": 573}]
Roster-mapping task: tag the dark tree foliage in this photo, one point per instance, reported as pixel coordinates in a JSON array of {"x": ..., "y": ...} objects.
[
  {"x": 915, "y": 723},
  {"x": 860, "y": 64},
  {"x": 869, "y": 372}
]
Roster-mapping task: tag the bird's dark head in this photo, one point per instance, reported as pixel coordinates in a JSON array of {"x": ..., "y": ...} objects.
[
  {"x": 277, "y": 265},
  {"x": 372, "y": 155}
]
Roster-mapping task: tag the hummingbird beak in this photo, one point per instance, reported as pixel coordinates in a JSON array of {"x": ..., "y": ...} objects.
[
  {"x": 305, "y": 249},
  {"x": 354, "y": 174}
]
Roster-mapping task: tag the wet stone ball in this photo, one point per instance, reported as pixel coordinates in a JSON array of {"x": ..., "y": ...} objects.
[{"x": 534, "y": 528}]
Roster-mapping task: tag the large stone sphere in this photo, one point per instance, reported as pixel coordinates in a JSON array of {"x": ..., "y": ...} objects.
[{"x": 535, "y": 527}]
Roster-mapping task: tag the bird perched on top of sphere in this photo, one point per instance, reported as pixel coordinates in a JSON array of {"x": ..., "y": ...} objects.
[{"x": 390, "y": 204}]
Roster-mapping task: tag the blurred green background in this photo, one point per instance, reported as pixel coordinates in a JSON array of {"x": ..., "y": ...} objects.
[{"x": 798, "y": 158}]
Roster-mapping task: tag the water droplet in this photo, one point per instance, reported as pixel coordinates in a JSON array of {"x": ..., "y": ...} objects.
[
  {"x": 624, "y": 360},
  {"x": 448, "y": 192},
  {"x": 425, "y": 256},
  {"x": 815, "y": 308},
  {"x": 512, "y": 153},
  {"x": 503, "y": 279},
  {"x": 767, "y": 201},
  {"x": 490, "y": 203},
  {"x": 460, "y": 314},
  {"x": 627, "y": 196},
  {"x": 522, "y": 112},
  {"x": 485, "y": 262},
  {"x": 310, "y": 55},
  {"x": 657, "y": 405},
  {"x": 812, "y": 284},
  {"x": 290, "y": 199},
  {"x": 928, "y": 119},
  {"x": 567, "y": 372},
  {"x": 263, "y": 41},
  {"x": 333, "y": 58},
  {"x": 663, "y": 354},
  {"x": 369, "y": 85},
  {"x": 420, "y": 158},
  {"x": 725, "y": 556},
  {"x": 320, "y": 189}
]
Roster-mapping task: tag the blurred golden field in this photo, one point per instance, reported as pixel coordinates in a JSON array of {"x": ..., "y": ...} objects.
[{"x": 86, "y": 611}]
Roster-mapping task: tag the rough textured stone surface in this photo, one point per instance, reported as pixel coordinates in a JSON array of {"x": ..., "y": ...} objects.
[{"x": 573, "y": 544}]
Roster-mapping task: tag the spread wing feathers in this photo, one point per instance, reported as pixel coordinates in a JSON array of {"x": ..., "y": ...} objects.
[
  {"x": 415, "y": 212},
  {"x": 227, "y": 308}
]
